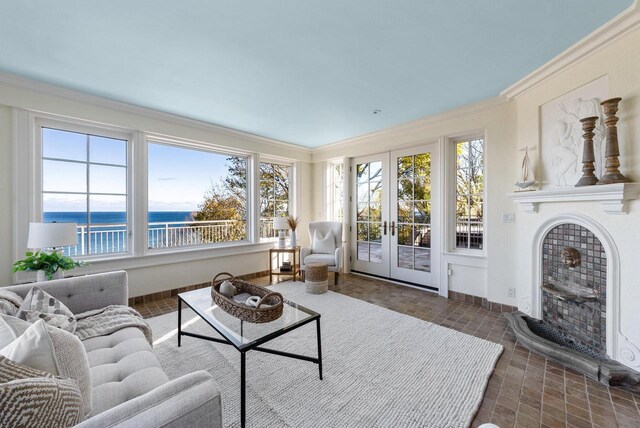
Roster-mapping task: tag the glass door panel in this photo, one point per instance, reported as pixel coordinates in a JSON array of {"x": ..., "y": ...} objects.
[
  {"x": 413, "y": 197},
  {"x": 371, "y": 211}
]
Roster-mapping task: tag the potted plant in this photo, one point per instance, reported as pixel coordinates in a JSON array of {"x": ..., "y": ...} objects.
[
  {"x": 47, "y": 265},
  {"x": 293, "y": 224}
]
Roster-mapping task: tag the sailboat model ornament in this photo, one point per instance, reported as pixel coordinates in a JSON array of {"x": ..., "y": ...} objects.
[{"x": 526, "y": 179}]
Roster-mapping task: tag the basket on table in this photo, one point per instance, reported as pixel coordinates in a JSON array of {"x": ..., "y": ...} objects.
[{"x": 259, "y": 314}]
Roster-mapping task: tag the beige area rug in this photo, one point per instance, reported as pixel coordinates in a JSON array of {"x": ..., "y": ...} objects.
[{"x": 380, "y": 368}]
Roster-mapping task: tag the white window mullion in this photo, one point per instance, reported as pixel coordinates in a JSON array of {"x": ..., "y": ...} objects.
[{"x": 138, "y": 200}]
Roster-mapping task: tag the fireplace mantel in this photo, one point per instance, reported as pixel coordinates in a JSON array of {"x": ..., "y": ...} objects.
[{"x": 613, "y": 197}]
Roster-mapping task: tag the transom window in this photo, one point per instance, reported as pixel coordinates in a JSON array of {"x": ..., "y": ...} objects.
[
  {"x": 84, "y": 181},
  {"x": 469, "y": 231}
]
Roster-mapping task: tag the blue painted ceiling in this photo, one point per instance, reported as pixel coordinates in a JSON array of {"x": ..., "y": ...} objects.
[{"x": 302, "y": 71}]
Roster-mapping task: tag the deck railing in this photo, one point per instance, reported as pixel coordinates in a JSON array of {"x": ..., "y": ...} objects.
[{"x": 113, "y": 238}]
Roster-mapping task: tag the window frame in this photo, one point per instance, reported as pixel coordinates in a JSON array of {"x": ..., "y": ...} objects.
[
  {"x": 78, "y": 126},
  {"x": 332, "y": 203},
  {"x": 27, "y": 182},
  {"x": 452, "y": 194},
  {"x": 292, "y": 173}
]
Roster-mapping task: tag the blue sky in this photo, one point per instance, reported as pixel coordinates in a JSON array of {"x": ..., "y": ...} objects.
[{"x": 178, "y": 177}]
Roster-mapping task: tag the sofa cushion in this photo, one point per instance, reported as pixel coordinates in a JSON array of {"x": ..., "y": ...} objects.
[
  {"x": 33, "y": 398},
  {"x": 329, "y": 259},
  {"x": 123, "y": 366},
  {"x": 39, "y": 304},
  {"x": 71, "y": 358}
]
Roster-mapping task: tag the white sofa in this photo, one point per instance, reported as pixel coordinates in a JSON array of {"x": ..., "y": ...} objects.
[{"x": 129, "y": 387}]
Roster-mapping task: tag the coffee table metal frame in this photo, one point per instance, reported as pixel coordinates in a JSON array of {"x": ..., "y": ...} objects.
[{"x": 253, "y": 345}]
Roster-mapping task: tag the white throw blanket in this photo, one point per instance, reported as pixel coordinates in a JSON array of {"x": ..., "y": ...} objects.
[{"x": 101, "y": 322}]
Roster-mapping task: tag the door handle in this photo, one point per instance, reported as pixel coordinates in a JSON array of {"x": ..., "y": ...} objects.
[
  {"x": 393, "y": 228},
  {"x": 384, "y": 227}
]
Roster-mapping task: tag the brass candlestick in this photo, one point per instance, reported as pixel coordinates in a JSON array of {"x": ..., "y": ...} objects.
[
  {"x": 588, "y": 158},
  {"x": 612, "y": 151}
]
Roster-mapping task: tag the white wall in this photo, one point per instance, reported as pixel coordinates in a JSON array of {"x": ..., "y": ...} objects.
[
  {"x": 6, "y": 195},
  {"x": 144, "y": 278}
]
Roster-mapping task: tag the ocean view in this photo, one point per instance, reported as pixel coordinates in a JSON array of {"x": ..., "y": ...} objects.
[{"x": 114, "y": 217}]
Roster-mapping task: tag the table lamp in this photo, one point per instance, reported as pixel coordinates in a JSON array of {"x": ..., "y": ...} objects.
[
  {"x": 280, "y": 224},
  {"x": 52, "y": 235}
]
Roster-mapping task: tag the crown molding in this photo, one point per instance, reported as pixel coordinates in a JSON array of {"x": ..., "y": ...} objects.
[
  {"x": 74, "y": 95},
  {"x": 619, "y": 26},
  {"x": 413, "y": 126}
]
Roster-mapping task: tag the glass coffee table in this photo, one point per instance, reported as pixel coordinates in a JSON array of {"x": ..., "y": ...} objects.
[{"x": 246, "y": 336}]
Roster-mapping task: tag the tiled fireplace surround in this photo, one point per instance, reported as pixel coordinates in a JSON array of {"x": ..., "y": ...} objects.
[{"x": 584, "y": 322}]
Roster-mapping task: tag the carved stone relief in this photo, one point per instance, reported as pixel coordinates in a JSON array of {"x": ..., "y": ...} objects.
[{"x": 561, "y": 134}]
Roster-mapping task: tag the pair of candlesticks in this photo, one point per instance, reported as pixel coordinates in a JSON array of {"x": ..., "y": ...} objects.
[{"x": 612, "y": 151}]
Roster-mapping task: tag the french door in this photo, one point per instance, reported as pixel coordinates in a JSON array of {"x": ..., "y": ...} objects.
[{"x": 395, "y": 215}]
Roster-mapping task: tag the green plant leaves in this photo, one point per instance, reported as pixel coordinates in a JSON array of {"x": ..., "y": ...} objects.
[{"x": 50, "y": 263}]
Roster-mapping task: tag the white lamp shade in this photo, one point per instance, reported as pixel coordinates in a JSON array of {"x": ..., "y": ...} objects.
[
  {"x": 280, "y": 223},
  {"x": 45, "y": 235}
]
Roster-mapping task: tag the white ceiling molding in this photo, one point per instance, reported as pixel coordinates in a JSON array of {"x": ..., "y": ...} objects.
[
  {"x": 621, "y": 25},
  {"x": 57, "y": 91}
]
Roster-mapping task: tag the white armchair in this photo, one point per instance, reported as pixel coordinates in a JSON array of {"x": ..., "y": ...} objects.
[{"x": 333, "y": 259}]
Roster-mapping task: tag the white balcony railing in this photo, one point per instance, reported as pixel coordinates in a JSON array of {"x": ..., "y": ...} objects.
[{"x": 113, "y": 238}]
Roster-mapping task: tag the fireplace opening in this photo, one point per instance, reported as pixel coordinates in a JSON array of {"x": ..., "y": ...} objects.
[{"x": 574, "y": 298}]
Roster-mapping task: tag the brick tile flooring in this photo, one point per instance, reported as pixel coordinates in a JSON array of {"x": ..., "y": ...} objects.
[{"x": 526, "y": 390}]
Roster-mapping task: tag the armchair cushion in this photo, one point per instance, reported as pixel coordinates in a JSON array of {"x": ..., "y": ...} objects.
[
  {"x": 328, "y": 259},
  {"x": 323, "y": 243}
]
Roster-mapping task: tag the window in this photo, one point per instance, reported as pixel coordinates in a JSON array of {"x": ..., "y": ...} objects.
[
  {"x": 336, "y": 180},
  {"x": 469, "y": 230},
  {"x": 84, "y": 181},
  {"x": 195, "y": 197},
  {"x": 274, "y": 196}
]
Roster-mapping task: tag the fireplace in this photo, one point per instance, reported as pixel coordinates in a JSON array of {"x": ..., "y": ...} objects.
[{"x": 573, "y": 312}]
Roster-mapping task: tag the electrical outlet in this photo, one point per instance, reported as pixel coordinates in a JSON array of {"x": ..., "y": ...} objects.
[
  {"x": 511, "y": 292},
  {"x": 508, "y": 217}
]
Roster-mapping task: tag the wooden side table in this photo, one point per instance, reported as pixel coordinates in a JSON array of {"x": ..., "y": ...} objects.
[{"x": 295, "y": 263}]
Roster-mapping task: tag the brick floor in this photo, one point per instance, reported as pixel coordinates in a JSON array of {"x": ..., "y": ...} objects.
[{"x": 525, "y": 390}]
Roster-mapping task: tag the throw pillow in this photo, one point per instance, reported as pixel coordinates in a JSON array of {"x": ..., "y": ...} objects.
[
  {"x": 6, "y": 334},
  {"x": 41, "y": 305},
  {"x": 33, "y": 348},
  {"x": 323, "y": 244},
  {"x": 9, "y": 302},
  {"x": 70, "y": 355},
  {"x": 33, "y": 398}
]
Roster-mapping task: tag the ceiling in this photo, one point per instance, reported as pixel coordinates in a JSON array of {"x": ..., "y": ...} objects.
[{"x": 306, "y": 72}]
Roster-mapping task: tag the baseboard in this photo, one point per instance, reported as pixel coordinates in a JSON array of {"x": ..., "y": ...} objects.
[
  {"x": 174, "y": 292},
  {"x": 481, "y": 302}
]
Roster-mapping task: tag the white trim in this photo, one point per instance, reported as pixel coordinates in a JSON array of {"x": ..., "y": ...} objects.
[
  {"x": 613, "y": 197},
  {"x": 618, "y": 27},
  {"x": 70, "y": 94},
  {"x": 533, "y": 304}
]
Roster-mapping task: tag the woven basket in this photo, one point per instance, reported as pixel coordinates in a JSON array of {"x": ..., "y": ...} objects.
[{"x": 242, "y": 311}]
